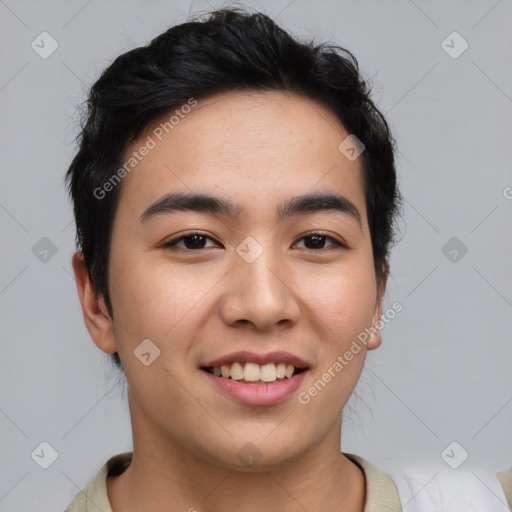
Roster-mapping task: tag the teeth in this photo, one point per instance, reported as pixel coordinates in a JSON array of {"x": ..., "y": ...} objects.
[
  {"x": 225, "y": 371},
  {"x": 252, "y": 372},
  {"x": 237, "y": 371},
  {"x": 268, "y": 372}
]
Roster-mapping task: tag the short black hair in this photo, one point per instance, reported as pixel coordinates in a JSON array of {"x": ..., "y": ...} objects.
[{"x": 227, "y": 50}]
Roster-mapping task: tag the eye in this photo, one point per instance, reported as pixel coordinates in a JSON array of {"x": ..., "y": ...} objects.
[
  {"x": 191, "y": 241},
  {"x": 317, "y": 242}
]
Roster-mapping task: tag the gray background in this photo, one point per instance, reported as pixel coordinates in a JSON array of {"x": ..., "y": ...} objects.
[{"x": 443, "y": 373}]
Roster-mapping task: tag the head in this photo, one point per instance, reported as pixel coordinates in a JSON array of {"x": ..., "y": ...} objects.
[{"x": 218, "y": 210}]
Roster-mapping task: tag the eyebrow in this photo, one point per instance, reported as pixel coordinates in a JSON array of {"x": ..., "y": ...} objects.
[{"x": 304, "y": 204}]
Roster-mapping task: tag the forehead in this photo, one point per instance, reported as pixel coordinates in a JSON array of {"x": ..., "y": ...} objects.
[{"x": 253, "y": 148}]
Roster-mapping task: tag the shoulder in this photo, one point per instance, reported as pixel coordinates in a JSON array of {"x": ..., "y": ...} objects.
[
  {"x": 435, "y": 488},
  {"x": 381, "y": 492},
  {"x": 94, "y": 496},
  {"x": 505, "y": 479}
]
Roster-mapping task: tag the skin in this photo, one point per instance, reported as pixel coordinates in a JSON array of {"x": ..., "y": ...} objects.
[{"x": 258, "y": 150}]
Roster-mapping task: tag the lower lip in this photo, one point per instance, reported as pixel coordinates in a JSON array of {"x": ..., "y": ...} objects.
[{"x": 257, "y": 394}]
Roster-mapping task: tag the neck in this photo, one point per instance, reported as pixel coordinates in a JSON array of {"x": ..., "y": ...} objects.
[{"x": 173, "y": 479}]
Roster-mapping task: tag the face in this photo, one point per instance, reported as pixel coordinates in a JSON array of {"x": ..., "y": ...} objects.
[{"x": 269, "y": 276}]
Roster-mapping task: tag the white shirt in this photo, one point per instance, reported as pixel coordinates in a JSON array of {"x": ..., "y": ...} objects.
[{"x": 453, "y": 490}]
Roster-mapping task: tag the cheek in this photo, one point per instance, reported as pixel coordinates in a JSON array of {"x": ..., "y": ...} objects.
[
  {"x": 156, "y": 300},
  {"x": 343, "y": 299},
  {"x": 343, "y": 304}
]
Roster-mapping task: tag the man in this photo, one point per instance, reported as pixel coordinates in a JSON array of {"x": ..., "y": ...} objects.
[{"x": 234, "y": 194}]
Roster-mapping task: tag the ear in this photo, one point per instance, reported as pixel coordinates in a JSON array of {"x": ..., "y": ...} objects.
[
  {"x": 376, "y": 339},
  {"x": 94, "y": 309}
]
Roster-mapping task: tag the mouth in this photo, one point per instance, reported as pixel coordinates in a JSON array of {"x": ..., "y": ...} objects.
[
  {"x": 261, "y": 383},
  {"x": 253, "y": 373}
]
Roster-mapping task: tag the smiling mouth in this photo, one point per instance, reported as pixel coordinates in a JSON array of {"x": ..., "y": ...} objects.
[{"x": 252, "y": 373}]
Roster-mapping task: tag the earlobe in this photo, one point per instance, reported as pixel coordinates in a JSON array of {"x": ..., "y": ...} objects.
[
  {"x": 376, "y": 337},
  {"x": 96, "y": 317}
]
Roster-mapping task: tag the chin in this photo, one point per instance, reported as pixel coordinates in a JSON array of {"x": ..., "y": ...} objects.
[{"x": 259, "y": 454}]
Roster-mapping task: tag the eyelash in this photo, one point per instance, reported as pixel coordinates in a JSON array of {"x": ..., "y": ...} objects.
[{"x": 172, "y": 243}]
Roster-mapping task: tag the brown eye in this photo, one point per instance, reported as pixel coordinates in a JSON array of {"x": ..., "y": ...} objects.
[
  {"x": 192, "y": 241},
  {"x": 317, "y": 241}
]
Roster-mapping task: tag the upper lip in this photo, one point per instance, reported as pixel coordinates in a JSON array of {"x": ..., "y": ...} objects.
[{"x": 245, "y": 356}]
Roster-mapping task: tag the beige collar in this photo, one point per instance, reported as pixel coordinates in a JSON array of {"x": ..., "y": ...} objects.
[{"x": 381, "y": 493}]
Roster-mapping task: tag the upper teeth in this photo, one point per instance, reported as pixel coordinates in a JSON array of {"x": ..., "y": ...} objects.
[{"x": 253, "y": 372}]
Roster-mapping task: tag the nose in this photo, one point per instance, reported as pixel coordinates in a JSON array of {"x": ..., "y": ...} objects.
[{"x": 260, "y": 294}]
